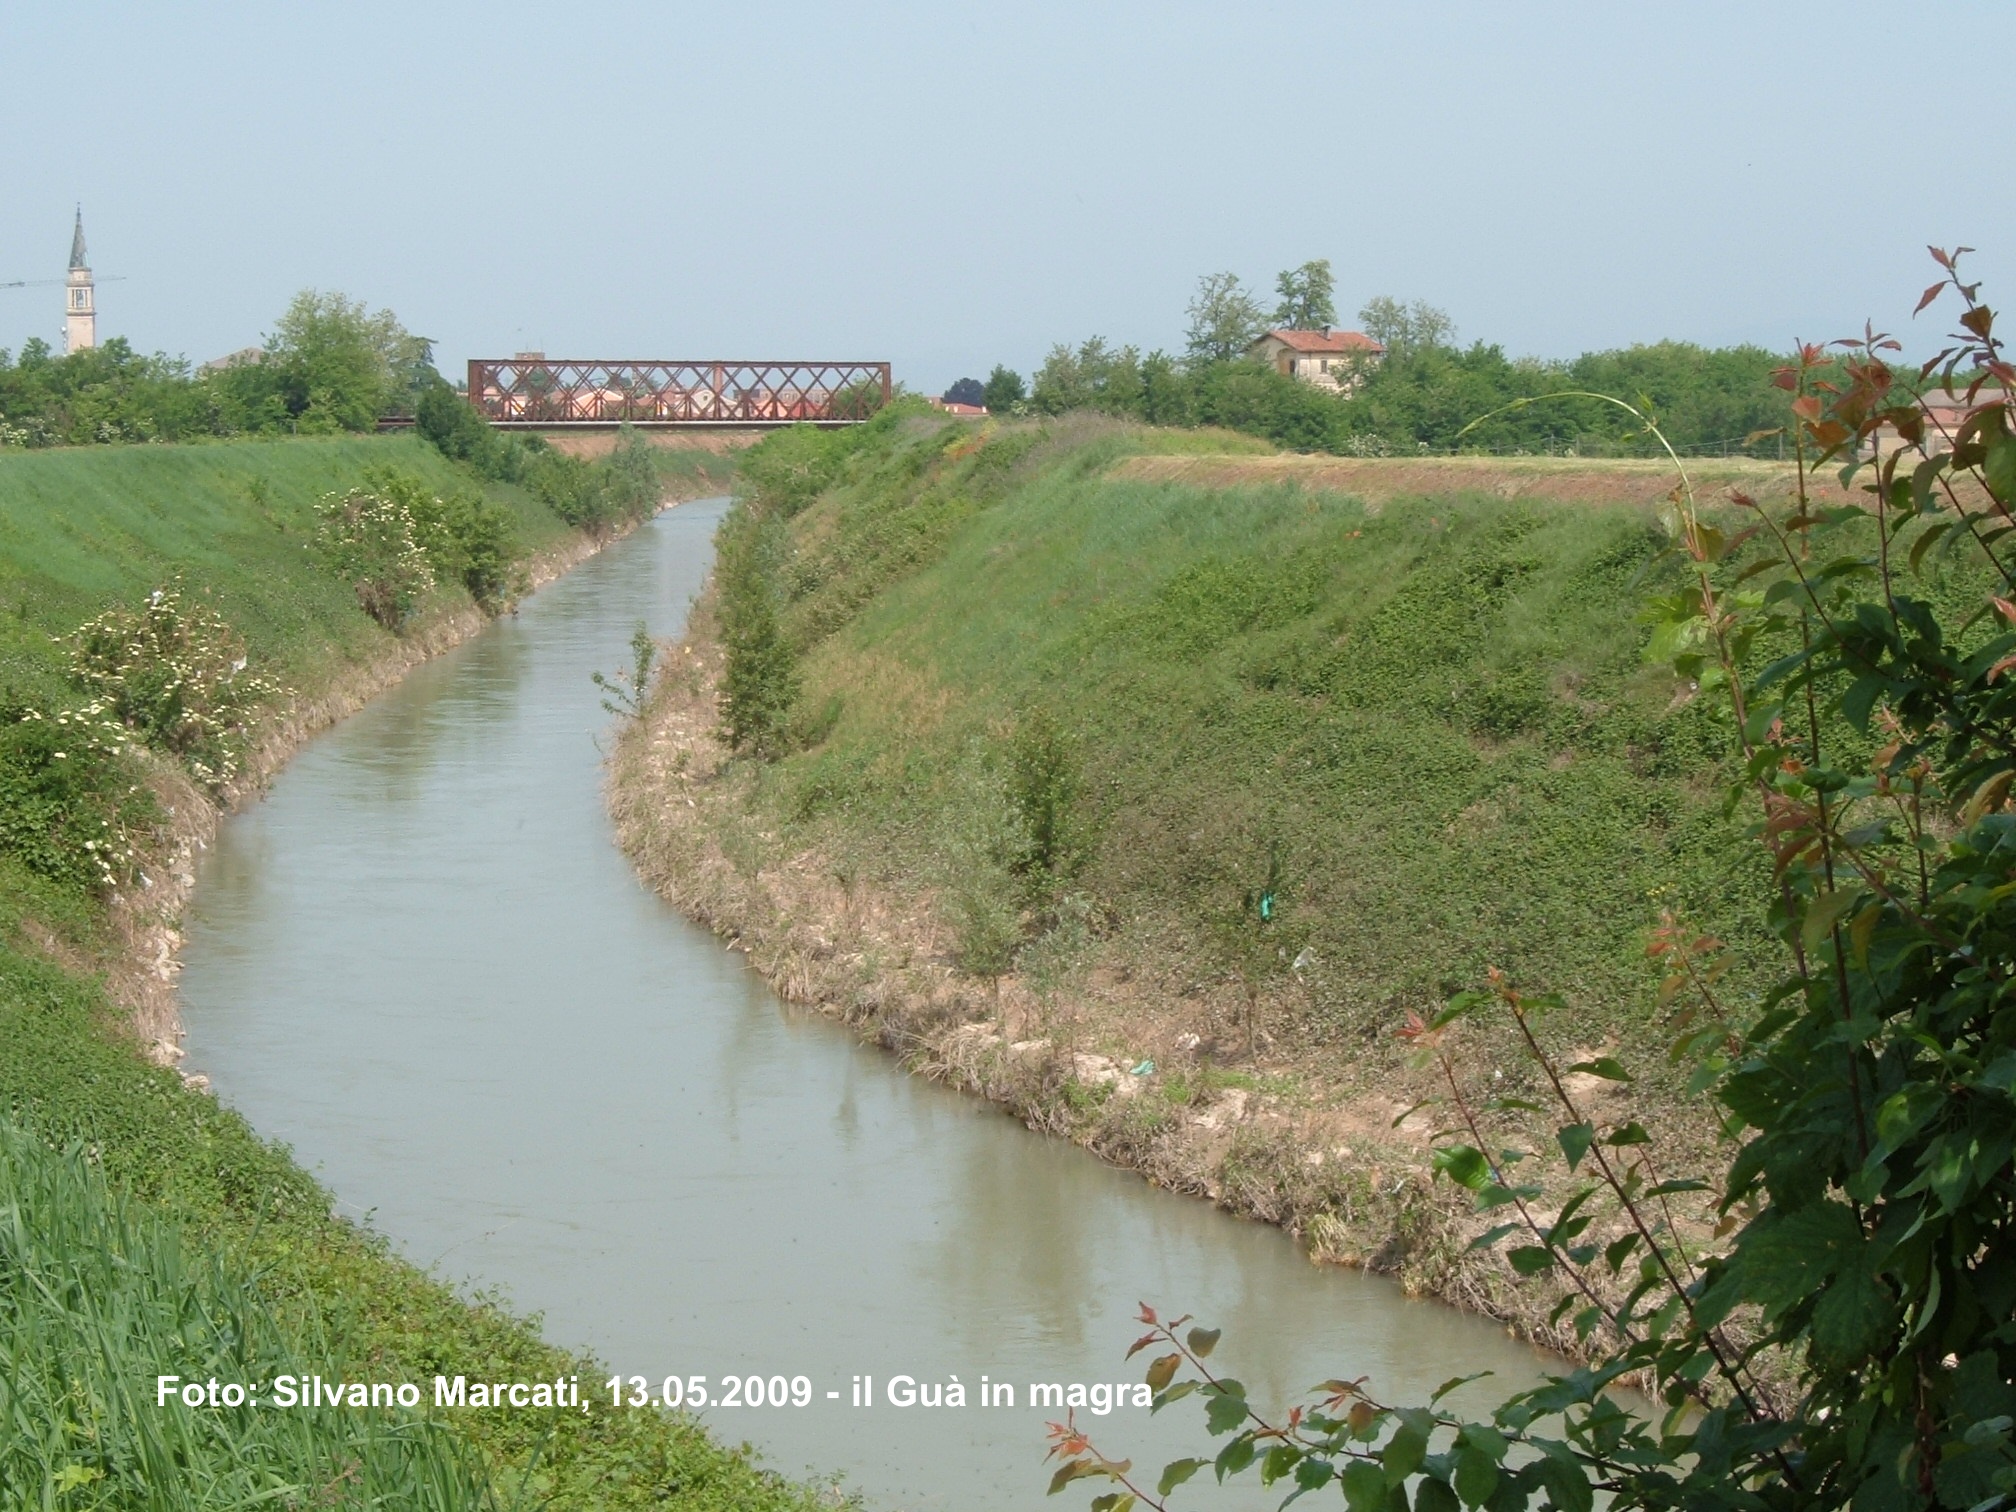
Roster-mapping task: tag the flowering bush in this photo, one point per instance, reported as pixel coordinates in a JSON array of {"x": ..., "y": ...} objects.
[
  {"x": 466, "y": 538},
  {"x": 175, "y": 674},
  {"x": 371, "y": 539},
  {"x": 69, "y": 807}
]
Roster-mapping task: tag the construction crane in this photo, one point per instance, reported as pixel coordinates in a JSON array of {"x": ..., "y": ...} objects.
[{"x": 54, "y": 283}]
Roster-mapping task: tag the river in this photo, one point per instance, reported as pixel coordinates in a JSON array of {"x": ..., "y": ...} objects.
[{"x": 421, "y": 962}]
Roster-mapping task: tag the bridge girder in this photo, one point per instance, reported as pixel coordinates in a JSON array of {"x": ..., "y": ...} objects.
[{"x": 544, "y": 391}]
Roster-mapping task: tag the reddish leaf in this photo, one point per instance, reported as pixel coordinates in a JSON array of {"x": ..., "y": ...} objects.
[
  {"x": 1140, "y": 1344},
  {"x": 1930, "y": 295}
]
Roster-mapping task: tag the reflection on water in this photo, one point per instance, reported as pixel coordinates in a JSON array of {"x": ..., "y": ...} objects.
[{"x": 422, "y": 963}]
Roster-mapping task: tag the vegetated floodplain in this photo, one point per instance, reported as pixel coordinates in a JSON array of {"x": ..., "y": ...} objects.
[
  {"x": 1154, "y": 808},
  {"x": 138, "y": 1216}
]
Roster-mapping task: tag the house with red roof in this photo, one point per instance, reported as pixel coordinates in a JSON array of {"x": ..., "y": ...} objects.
[{"x": 1329, "y": 359}]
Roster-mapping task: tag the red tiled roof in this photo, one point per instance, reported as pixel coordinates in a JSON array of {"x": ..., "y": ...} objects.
[{"x": 1327, "y": 343}]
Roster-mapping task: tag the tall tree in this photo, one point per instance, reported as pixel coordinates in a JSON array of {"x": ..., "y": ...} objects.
[
  {"x": 1224, "y": 318},
  {"x": 339, "y": 366},
  {"x": 1402, "y": 328},
  {"x": 1004, "y": 387},
  {"x": 965, "y": 391},
  {"x": 1308, "y": 297}
]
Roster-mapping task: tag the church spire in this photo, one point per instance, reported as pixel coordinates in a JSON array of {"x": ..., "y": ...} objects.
[{"x": 80, "y": 309}]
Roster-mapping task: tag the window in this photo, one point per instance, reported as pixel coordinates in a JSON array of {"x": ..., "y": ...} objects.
[{"x": 76, "y": 299}]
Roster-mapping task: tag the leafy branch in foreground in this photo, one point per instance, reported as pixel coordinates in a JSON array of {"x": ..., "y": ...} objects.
[{"x": 1832, "y": 1322}]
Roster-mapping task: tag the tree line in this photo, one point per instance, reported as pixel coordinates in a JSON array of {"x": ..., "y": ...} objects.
[
  {"x": 1424, "y": 394},
  {"x": 329, "y": 365}
]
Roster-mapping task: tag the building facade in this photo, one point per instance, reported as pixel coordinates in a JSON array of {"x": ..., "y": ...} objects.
[
  {"x": 80, "y": 309},
  {"x": 1328, "y": 359}
]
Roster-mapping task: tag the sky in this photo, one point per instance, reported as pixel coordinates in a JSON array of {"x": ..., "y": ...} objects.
[{"x": 948, "y": 187}]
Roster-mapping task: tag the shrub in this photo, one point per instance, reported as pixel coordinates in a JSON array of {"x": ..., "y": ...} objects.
[
  {"x": 1043, "y": 791},
  {"x": 467, "y": 538},
  {"x": 759, "y": 684},
  {"x": 175, "y": 674},
  {"x": 69, "y": 804},
  {"x": 370, "y": 540}
]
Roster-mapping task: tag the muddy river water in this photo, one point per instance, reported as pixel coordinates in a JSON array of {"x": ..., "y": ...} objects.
[{"x": 422, "y": 963}]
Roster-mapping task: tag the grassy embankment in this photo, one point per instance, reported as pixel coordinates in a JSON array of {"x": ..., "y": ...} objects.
[
  {"x": 1411, "y": 693},
  {"x": 178, "y": 1240}
]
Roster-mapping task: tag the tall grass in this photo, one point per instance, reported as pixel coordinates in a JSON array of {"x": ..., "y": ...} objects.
[{"x": 99, "y": 1296}]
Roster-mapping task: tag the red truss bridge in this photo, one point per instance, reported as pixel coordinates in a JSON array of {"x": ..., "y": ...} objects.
[{"x": 542, "y": 391}]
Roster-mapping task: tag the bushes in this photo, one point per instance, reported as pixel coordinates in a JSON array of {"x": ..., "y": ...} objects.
[
  {"x": 69, "y": 805},
  {"x": 760, "y": 681},
  {"x": 466, "y": 537},
  {"x": 176, "y": 675},
  {"x": 370, "y": 539}
]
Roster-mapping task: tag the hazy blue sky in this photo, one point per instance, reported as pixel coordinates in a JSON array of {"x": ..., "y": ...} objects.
[{"x": 951, "y": 186}]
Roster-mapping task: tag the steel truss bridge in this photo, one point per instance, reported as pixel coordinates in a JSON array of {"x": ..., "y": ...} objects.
[{"x": 544, "y": 391}]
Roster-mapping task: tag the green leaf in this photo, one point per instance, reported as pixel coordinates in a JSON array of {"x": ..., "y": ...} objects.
[
  {"x": 1162, "y": 1370},
  {"x": 1606, "y": 1066},
  {"x": 1235, "y": 1456},
  {"x": 1575, "y": 1140},
  {"x": 1404, "y": 1452},
  {"x": 1852, "y": 1317},
  {"x": 1455, "y": 1383},
  {"x": 1824, "y": 912},
  {"x": 1620, "y": 1251},
  {"x": 1463, "y": 1165},
  {"x": 1491, "y": 1236},
  {"x": 1277, "y": 1462},
  {"x": 1567, "y": 1487},
  {"x": 1476, "y": 1477},
  {"x": 1079, "y": 1469},
  {"x": 1202, "y": 1341},
  {"x": 1434, "y": 1496},
  {"x": 1364, "y": 1486},
  {"x": 1226, "y": 1407},
  {"x": 1176, "y": 1472},
  {"x": 1631, "y": 1134},
  {"x": 1531, "y": 1259}
]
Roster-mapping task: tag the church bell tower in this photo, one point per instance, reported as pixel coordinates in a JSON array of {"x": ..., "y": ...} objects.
[{"x": 80, "y": 313}]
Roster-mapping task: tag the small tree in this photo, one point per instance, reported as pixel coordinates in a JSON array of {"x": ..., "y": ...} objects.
[
  {"x": 1043, "y": 791},
  {"x": 1307, "y": 297},
  {"x": 1224, "y": 319},
  {"x": 965, "y": 391},
  {"x": 1003, "y": 390},
  {"x": 759, "y": 684},
  {"x": 624, "y": 694}
]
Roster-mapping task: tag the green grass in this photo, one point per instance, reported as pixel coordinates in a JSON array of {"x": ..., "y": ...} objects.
[
  {"x": 1436, "y": 714},
  {"x": 97, "y": 1298},
  {"x": 171, "y": 1237},
  {"x": 86, "y": 528}
]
